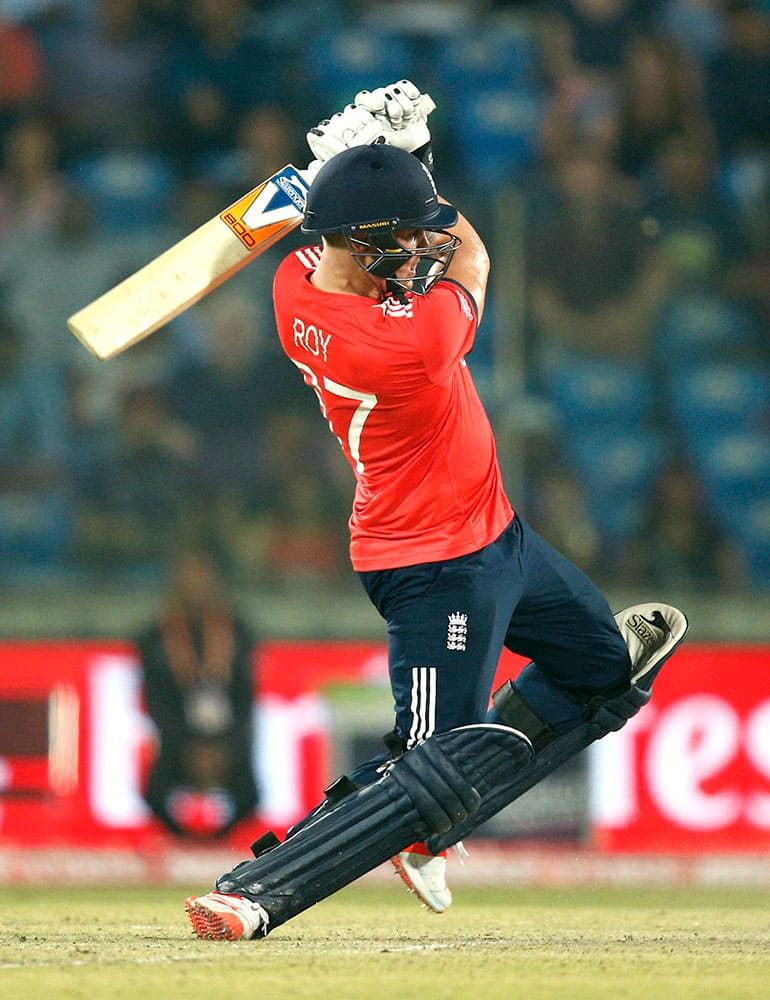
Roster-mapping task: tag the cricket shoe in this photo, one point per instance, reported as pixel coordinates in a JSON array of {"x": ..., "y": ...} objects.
[
  {"x": 223, "y": 916},
  {"x": 424, "y": 874}
]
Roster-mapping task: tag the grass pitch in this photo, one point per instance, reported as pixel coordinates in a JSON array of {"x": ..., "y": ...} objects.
[{"x": 376, "y": 942}]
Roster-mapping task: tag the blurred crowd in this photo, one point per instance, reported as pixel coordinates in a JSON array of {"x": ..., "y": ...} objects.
[{"x": 631, "y": 138}]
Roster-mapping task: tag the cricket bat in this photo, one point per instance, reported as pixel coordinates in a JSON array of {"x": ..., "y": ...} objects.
[{"x": 193, "y": 267}]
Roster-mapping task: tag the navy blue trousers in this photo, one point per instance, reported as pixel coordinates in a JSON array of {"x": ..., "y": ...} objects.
[{"x": 448, "y": 622}]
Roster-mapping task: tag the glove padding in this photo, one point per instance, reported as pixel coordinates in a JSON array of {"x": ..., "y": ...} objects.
[
  {"x": 399, "y": 106},
  {"x": 396, "y": 115}
]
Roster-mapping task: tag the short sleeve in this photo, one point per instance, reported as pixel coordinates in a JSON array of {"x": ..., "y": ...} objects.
[{"x": 446, "y": 321}]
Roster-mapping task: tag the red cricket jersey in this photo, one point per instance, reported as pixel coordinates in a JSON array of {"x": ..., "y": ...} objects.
[{"x": 393, "y": 383}]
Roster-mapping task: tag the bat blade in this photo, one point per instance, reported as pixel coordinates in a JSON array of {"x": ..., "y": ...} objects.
[{"x": 193, "y": 267}]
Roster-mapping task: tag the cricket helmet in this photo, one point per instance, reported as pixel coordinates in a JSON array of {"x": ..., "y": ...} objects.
[{"x": 367, "y": 194}]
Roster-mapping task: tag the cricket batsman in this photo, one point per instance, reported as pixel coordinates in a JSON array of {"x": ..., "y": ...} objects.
[{"x": 378, "y": 313}]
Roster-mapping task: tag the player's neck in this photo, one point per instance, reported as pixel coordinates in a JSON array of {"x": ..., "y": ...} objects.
[{"x": 337, "y": 272}]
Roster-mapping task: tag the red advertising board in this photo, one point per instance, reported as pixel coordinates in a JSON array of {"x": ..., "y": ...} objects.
[
  {"x": 76, "y": 744},
  {"x": 691, "y": 772}
]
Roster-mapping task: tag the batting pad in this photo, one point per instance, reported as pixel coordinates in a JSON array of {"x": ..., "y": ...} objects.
[{"x": 429, "y": 790}]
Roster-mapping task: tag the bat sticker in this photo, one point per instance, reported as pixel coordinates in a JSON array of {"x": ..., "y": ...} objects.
[{"x": 274, "y": 203}]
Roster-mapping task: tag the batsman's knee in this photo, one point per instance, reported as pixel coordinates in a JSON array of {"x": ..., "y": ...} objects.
[
  {"x": 652, "y": 632},
  {"x": 441, "y": 793},
  {"x": 604, "y": 713}
]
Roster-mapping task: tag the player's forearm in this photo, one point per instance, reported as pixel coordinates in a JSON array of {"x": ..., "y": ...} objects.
[{"x": 470, "y": 264}]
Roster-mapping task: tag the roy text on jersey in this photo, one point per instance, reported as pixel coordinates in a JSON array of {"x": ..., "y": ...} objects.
[{"x": 311, "y": 338}]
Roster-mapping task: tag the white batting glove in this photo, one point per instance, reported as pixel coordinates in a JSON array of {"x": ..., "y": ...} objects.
[
  {"x": 395, "y": 102},
  {"x": 396, "y": 115},
  {"x": 399, "y": 103},
  {"x": 403, "y": 111}
]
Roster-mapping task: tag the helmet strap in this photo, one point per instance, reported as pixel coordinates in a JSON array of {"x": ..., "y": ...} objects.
[{"x": 395, "y": 289}]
